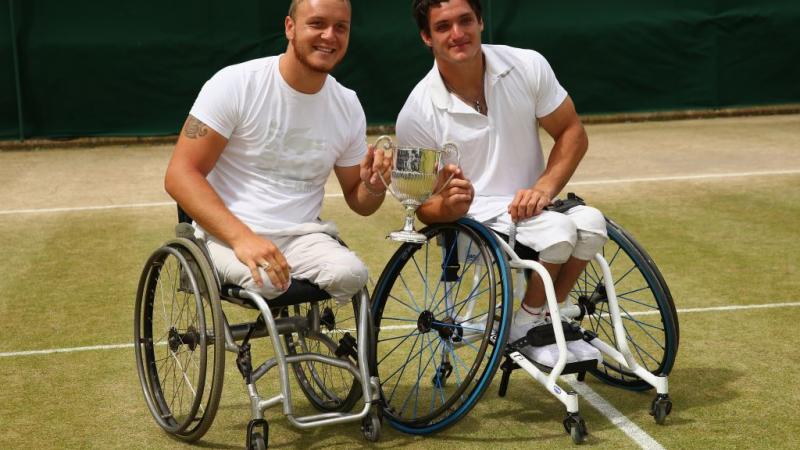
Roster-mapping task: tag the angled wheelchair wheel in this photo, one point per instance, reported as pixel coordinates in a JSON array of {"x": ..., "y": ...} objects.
[
  {"x": 646, "y": 306},
  {"x": 179, "y": 341},
  {"x": 441, "y": 312},
  {"x": 328, "y": 388}
]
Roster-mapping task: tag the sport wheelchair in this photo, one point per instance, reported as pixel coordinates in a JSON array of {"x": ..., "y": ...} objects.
[
  {"x": 181, "y": 335},
  {"x": 442, "y": 312}
]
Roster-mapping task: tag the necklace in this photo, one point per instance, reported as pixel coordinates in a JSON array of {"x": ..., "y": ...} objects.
[{"x": 476, "y": 104}]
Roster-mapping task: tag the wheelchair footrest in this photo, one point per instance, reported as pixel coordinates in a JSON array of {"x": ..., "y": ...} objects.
[{"x": 509, "y": 365}]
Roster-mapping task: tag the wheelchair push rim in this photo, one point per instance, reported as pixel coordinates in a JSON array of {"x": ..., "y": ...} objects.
[
  {"x": 646, "y": 306},
  {"x": 441, "y": 323},
  {"x": 178, "y": 340}
]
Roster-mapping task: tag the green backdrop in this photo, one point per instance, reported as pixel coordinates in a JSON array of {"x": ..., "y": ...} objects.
[{"x": 103, "y": 68}]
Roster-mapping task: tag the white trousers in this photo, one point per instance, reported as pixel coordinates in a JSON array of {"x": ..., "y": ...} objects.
[
  {"x": 316, "y": 257},
  {"x": 579, "y": 232}
]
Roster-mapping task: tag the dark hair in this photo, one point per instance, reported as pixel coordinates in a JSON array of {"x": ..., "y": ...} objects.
[{"x": 420, "y": 9}]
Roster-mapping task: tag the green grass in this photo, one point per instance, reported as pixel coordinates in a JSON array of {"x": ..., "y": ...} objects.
[{"x": 69, "y": 280}]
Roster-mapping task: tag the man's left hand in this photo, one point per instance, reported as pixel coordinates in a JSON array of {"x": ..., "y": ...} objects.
[{"x": 528, "y": 203}]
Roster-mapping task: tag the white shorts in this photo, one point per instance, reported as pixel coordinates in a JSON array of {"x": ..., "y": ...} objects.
[
  {"x": 550, "y": 228},
  {"x": 316, "y": 257}
]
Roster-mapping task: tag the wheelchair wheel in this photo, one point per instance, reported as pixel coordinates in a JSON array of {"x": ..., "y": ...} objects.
[
  {"x": 328, "y": 388},
  {"x": 178, "y": 339},
  {"x": 441, "y": 312},
  {"x": 646, "y": 306}
]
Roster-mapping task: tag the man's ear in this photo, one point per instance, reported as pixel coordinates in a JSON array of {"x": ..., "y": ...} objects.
[
  {"x": 426, "y": 38},
  {"x": 289, "y": 25}
]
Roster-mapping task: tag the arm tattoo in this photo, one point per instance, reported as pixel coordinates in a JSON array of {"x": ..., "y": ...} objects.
[{"x": 194, "y": 128}]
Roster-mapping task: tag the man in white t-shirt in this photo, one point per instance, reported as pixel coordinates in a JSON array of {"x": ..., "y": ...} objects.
[
  {"x": 489, "y": 100},
  {"x": 252, "y": 160}
]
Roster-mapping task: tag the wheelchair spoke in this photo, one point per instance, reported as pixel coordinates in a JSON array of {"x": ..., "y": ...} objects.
[
  {"x": 403, "y": 303},
  {"x": 401, "y": 369},
  {"x": 404, "y": 339}
]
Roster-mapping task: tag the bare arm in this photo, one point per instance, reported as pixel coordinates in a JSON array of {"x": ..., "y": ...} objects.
[
  {"x": 363, "y": 189},
  {"x": 197, "y": 151},
  {"x": 570, "y": 145}
]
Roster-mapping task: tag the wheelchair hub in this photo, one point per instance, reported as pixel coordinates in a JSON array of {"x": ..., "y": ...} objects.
[
  {"x": 447, "y": 327},
  {"x": 190, "y": 339}
]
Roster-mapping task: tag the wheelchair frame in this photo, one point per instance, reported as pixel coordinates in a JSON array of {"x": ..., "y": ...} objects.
[
  {"x": 197, "y": 279},
  {"x": 631, "y": 375}
]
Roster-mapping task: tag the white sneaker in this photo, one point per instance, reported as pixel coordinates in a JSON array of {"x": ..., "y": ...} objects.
[
  {"x": 584, "y": 351},
  {"x": 546, "y": 355}
]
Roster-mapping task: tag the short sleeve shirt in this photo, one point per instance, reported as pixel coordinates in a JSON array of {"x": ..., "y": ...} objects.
[
  {"x": 501, "y": 151},
  {"x": 282, "y": 144}
]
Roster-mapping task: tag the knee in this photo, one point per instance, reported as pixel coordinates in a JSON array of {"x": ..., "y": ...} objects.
[
  {"x": 588, "y": 245},
  {"x": 346, "y": 277},
  {"x": 557, "y": 253}
]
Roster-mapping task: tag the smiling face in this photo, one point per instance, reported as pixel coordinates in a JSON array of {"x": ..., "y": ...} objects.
[
  {"x": 454, "y": 32},
  {"x": 319, "y": 32}
]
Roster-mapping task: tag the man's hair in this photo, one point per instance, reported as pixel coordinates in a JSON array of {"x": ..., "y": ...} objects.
[
  {"x": 420, "y": 9},
  {"x": 295, "y": 3}
]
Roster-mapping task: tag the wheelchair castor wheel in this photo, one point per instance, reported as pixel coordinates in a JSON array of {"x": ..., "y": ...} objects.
[
  {"x": 257, "y": 440},
  {"x": 660, "y": 408},
  {"x": 371, "y": 425},
  {"x": 576, "y": 427}
]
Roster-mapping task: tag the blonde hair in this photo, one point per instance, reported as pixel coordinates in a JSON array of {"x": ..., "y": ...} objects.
[{"x": 295, "y": 3}]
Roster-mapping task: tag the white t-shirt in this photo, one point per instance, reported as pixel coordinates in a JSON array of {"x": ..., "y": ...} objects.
[
  {"x": 282, "y": 144},
  {"x": 501, "y": 152}
]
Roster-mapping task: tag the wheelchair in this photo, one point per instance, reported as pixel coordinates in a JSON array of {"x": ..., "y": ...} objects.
[
  {"x": 442, "y": 312},
  {"x": 182, "y": 335}
]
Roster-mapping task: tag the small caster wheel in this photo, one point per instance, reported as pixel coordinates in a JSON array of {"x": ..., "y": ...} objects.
[
  {"x": 576, "y": 427},
  {"x": 660, "y": 408},
  {"x": 371, "y": 427},
  {"x": 257, "y": 442}
]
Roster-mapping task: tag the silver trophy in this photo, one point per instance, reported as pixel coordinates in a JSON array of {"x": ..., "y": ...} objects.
[{"x": 414, "y": 174}]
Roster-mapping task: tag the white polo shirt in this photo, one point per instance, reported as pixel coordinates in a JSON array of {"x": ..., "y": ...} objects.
[{"x": 500, "y": 152}]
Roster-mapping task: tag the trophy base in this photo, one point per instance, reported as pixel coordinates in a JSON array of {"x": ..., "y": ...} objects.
[{"x": 408, "y": 236}]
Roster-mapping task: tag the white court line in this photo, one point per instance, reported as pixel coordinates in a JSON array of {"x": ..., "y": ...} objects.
[
  {"x": 632, "y": 430},
  {"x": 403, "y": 327},
  {"x": 709, "y": 176}
]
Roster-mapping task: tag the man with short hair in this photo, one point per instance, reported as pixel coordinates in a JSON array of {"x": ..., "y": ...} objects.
[
  {"x": 260, "y": 142},
  {"x": 489, "y": 100}
]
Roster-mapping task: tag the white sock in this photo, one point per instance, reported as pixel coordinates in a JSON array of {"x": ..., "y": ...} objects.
[{"x": 527, "y": 314}]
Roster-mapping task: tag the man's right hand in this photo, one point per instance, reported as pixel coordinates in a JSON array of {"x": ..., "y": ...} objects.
[
  {"x": 257, "y": 252},
  {"x": 458, "y": 193}
]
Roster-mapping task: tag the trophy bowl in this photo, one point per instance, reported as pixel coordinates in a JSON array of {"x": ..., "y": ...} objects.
[{"x": 415, "y": 171}]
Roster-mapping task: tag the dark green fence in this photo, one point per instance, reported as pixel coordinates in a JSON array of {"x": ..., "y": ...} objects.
[{"x": 106, "y": 68}]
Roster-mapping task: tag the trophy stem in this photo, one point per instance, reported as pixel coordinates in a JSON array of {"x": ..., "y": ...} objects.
[
  {"x": 409, "y": 224},
  {"x": 408, "y": 233}
]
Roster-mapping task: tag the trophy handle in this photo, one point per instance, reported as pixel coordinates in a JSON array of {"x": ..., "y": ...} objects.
[
  {"x": 388, "y": 145},
  {"x": 449, "y": 147}
]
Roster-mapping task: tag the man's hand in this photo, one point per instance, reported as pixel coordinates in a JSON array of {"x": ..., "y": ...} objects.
[
  {"x": 376, "y": 164},
  {"x": 457, "y": 195},
  {"x": 528, "y": 203},
  {"x": 256, "y": 252}
]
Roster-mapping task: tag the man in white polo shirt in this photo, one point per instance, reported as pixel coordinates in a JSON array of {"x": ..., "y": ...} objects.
[
  {"x": 260, "y": 142},
  {"x": 490, "y": 100}
]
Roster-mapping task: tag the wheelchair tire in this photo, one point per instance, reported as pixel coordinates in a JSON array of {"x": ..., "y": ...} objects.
[
  {"x": 646, "y": 305},
  {"x": 179, "y": 340},
  {"x": 438, "y": 340},
  {"x": 328, "y": 388}
]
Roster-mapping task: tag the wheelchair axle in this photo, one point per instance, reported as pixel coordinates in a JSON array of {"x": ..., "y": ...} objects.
[{"x": 447, "y": 328}]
